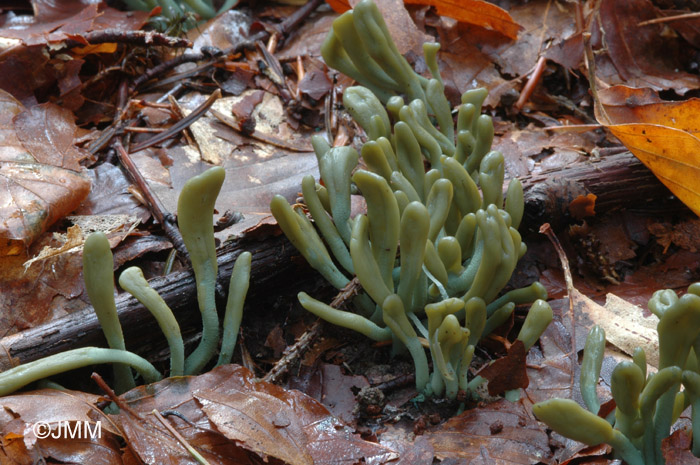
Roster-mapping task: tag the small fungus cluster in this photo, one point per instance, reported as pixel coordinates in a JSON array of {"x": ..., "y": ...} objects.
[
  {"x": 647, "y": 404},
  {"x": 195, "y": 220},
  {"x": 456, "y": 232}
]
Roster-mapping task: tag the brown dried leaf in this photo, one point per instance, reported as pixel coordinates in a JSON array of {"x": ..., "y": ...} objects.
[
  {"x": 549, "y": 364},
  {"x": 337, "y": 392},
  {"x": 477, "y": 57},
  {"x": 640, "y": 56},
  {"x": 55, "y": 21},
  {"x": 676, "y": 448},
  {"x": 259, "y": 416},
  {"x": 284, "y": 424},
  {"x": 110, "y": 195},
  {"x": 41, "y": 293},
  {"x": 56, "y": 409},
  {"x": 508, "y": 372},
  {"x": 39, "y": 181},
  {"x": 501, "y": 432},
  {"x": 685, "y": 234}
]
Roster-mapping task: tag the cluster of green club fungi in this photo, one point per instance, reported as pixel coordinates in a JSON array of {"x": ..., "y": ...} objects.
[
  {"x": 195, "y": 221},
  {"x": 457, "y": 234},
  {"x": 647, "y": 405}
]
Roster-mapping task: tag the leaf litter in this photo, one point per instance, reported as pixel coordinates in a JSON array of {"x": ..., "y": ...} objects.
[{"x": 259, "y": 168}]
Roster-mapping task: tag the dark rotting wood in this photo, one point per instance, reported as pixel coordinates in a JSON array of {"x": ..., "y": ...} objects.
[{"x": 272, "y": 261}]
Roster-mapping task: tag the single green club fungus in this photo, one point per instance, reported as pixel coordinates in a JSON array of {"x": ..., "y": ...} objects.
[
  {"x": 195, "y": 212},
  {"x": 237, "y": 290},
  {"x": 19, "y": 376},
  {"x": 98, "y": 274},
  {"x": 446, "y": 236},
  {"x": 647, "y": 405},
  {"x": 133, "y": 282}
]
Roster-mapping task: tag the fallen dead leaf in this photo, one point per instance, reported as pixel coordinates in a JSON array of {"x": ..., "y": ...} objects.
[
  {"x": 663, "y": 135},
  {"x": 56, "y": 409},
  {"x": 625, "y": 325},
  {"x": 676, "y": 448},
  {"x": 500, "y": 432},
  {"x": 261, "y": 417},
  {"x": 639, "y": 56},
  {"x": 40, "y": 178},
  {"x": 508, "y": 372}
]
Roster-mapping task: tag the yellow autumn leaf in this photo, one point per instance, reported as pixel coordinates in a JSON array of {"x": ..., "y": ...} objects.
[{"x": 663, "y": 135}]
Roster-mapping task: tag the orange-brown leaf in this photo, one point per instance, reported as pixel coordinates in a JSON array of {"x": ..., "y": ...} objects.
[
  {"x": 663, "y": 135},
  {"x": 40, "y": 174},
  {"x": 475, "y": 12},
  {"x": 339, "y": 6}
]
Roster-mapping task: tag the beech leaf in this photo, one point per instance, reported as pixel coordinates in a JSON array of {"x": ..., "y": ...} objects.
[
  {"x": 41, "y": 180},
  {"x": 663, "y": 135}
]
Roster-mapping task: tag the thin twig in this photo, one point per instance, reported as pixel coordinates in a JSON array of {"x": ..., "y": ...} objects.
[
  {"x": 170, "y": 64},
  {"x": 295, "y": 352},
  {"x": 268, "y": 139},
  {"x": 180, "y": 125},
  {"x": 109, "y": 392},
  {"x": 124, "y": 37},
  {"x": 546, "y": 229},
  {"x": 197, "y": 456},
  {"x": 589, "y": 59},
  {"x": 668, "y": 19},
  {"x": 288, "y": 25},
  {"x": 164, "y": 217},
  {"x": 531, "y": 84}
]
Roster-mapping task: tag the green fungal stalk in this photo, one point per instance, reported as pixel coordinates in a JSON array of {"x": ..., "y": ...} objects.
[
  {"x": 238, "y": 288},
  {"x": 647, "y": 405},
  {"x": 132, "y": 281},
  {"x": 436, "y": 246},
  {"x": 195, "y": 212},
  {"x": 21, "y": 375},
  {"x": 99, "y": 282}
]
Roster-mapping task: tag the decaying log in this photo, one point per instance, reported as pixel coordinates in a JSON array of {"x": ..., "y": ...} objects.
[
  {"x": 272, "y": 262},
  {"x": 618, "y": 181}
]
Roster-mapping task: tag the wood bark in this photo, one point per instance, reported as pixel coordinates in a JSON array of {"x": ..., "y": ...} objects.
[
  {"x": 272, "y": 261},
  {"x": 618, "y": 181}
]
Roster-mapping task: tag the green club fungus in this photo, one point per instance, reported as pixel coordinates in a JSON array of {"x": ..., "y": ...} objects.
[
  {"x": 195, "y": 210},
  {"x": 646, "y": 404},
  {"x": 132, "y": 281},
  {"x": 437, "y": 246},
  {"x": 99, "y": 282}
]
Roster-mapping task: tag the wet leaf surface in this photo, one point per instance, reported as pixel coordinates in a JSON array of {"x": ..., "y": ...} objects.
[
  {"x": 40, "y": 178},
  {"x": 508, "y": 372},
  {"x": 502, "y": 431},
  {"x": 260, "y": 417},
  {"x": 640, "y": 56}
]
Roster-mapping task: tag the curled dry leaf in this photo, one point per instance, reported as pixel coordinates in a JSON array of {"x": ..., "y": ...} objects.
[
  {"x": 665, "y": 136},
  {"x": 40, "y": 178},
  {"x": 476, "y": 12}
]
